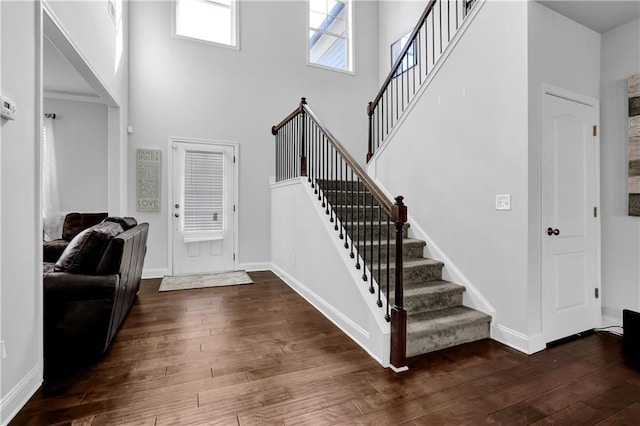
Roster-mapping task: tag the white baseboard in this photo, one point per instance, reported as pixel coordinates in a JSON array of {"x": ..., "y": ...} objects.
[
  {"x": 351, "y": 329},
  {"x": 516, "y": 340},
  {"x": 155, "y": 273},
  {"x": 17, "y": 397},
  {"x": 256, "y": 266},
  {"x": 609, "y": 321}
]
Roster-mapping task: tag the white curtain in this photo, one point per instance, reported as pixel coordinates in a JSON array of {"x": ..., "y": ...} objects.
[{"x": 52, "y": 217}]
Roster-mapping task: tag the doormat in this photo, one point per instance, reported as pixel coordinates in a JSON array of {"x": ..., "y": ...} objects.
[{"x": 186, "y": 282}]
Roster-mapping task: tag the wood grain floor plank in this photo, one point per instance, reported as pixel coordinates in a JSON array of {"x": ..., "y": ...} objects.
[{"x": 261, "y": 355}]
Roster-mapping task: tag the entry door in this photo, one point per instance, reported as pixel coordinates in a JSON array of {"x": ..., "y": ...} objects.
[
  {"x": 202, "y": 208},
  {"x": 569, "y": 267}
]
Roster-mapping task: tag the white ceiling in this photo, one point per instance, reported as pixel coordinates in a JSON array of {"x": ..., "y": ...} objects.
[
  {"x": 599, "y": 15},
  {"x": 60, "y": 77}
]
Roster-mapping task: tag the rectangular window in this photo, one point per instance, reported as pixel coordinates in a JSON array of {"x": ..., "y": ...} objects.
[
  {"x": 203, "y": 193},
  {"x": 410, "y": 60},
  {"x": 214, "y": 21},
  {"x": 330, "y": 41}
]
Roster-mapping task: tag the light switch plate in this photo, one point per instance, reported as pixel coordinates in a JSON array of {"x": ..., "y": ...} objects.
[{"x": 503, "y": 202}]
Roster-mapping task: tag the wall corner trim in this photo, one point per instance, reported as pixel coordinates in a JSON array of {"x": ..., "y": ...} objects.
[{"x": 12, "y": 402}]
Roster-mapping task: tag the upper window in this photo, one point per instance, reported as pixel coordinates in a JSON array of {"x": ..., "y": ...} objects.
[
  {"x": 410, "y": 59},
  {"x": 214, "y": 21},
  {"x": 330, "y": 34}
]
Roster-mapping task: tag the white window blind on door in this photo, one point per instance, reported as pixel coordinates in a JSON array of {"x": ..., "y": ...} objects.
[{"x": 203, "y": 195}]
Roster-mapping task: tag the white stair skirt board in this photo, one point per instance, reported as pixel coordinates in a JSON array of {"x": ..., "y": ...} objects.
[{"x": 186, "y": 282}]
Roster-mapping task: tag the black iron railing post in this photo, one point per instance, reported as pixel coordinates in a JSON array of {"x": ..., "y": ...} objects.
[
  {"x": 303, "y": 139},
  {"x": 370, "y": 142},
  {"x": 398, "y": 314}
]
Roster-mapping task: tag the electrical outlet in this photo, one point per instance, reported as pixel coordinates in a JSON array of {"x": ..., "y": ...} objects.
[
  {"x": 3, "y": 350},
  {"x": 503, "y": 202}
]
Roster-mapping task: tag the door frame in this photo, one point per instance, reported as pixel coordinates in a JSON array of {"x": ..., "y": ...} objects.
[
  {"x": 549, "y": 89},
  {"x": 208, "y": 142}
]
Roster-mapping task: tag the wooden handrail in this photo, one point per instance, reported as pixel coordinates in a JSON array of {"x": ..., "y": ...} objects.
[
  {"x": 275, "y": 129},
  {"x": 377, "y": 193},
  {"x": 402, "y": 54}
]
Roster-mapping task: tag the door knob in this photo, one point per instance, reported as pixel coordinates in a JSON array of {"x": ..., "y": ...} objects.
[
  {"x": 177, "y": 215},
  {"x": 551, "y": 231}
]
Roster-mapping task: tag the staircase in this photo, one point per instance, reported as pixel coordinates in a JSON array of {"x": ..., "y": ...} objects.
[{"x": 436, "y": 318}]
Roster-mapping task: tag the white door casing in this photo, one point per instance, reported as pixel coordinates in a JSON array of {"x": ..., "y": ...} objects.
[
  {"x": 570, "y": 226},
  {"x": 202, "y": 218}
]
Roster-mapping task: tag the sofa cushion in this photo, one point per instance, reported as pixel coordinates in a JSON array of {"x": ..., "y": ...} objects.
[
  {"x": 84, "y": 252},
  {"x": 74, "y": 223},
  {"x": 126, "y": 222},
  {"x": 52, "y": 250}
]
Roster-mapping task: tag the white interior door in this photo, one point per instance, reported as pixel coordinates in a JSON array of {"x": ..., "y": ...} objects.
[
  {"x": 569, "y": 255},
  {"x": 202, "y": 207}
]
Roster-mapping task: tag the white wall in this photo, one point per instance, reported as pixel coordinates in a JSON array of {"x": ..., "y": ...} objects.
[
  {"x": 308, "y": 255},
  {"x": 80, "y": 131},
  {"x": 464, "y": 142},
  {"x": 395, "y": 19},
  {"x": 21, "y": 275},
  {"x": 620, "y": 232},
  {"x": 190, "y": 89},
  {"x": 564, "y": 54},
  {"x": 102, "y": 45}
]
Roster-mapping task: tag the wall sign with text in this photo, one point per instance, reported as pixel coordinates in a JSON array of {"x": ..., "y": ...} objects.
[{"x": 149, "y": 178}]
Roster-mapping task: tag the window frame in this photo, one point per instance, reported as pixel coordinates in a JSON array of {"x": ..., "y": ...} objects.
[
  {"x": 350, "y": 40},
  {"x": 235, "y": 22},
  {"x": 411, "y": 60}
]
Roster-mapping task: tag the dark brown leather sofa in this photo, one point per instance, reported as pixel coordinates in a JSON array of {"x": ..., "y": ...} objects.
[
  {"x": 88, "y": 293},
  {"x": 73, "y": 224}
]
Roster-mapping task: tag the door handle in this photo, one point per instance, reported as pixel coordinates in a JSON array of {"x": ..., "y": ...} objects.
[
  {"x": 176, "y": 215},
  {"x": 551, "y": 231}
]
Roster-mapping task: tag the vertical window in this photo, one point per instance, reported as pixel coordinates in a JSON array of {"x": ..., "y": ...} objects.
[
  {"x": 330, "y": 34},
  {"x": 214, "y": 21}
]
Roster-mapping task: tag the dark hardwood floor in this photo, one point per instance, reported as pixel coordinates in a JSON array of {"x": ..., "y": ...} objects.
[{"x": 260, "y": 354}]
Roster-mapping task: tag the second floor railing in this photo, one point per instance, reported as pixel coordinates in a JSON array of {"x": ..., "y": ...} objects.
[
  {"x": 371, "y": 225},
  {"x": 436, "y": 27}
]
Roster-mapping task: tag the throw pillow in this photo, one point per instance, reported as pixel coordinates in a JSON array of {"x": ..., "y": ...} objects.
[
  {"x": 85, "y": 250},
  {"x": 126, "y": 222}
]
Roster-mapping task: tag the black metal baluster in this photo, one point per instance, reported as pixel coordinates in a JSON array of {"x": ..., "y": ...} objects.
[
  {"x": 334, "y": 210},
  {"x": 343, "y": 202},
  {"x": 358, "y": 227},
  {"x": 379, "y": 302},
  {"x": 433, "y": 39},
  {"x": 371, "y": 269},
  {"x": 324, "y": 171},
  {"x": 440, "y": 17},
  {"x": 351, "y": 234},
  {"x": 448, "y": 22},
  {"x": 388, "y": 314},
  {"x": 364, "y": 221}
]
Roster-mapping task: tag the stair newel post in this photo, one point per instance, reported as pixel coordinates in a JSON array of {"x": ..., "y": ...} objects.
[
  {"x": 370, "y": 143},
  {"x": 398, "y": 314},
  {"x": 303, "y": 139}
]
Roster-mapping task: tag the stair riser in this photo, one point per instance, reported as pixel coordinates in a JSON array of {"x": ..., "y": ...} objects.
[
  {"x": 352, "y": 214},
  {"x": 417, "y": 345},
  {"x": 341, "y": 185},
  {"x": 339, "y": 198},
  {"x": 419, "y": 273},
  {"x": 409, "y": 251},
  {"x": 417, "y": 304},
  {"x": 373, "y": 230},
  {"x": 412, "y": 274}
]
